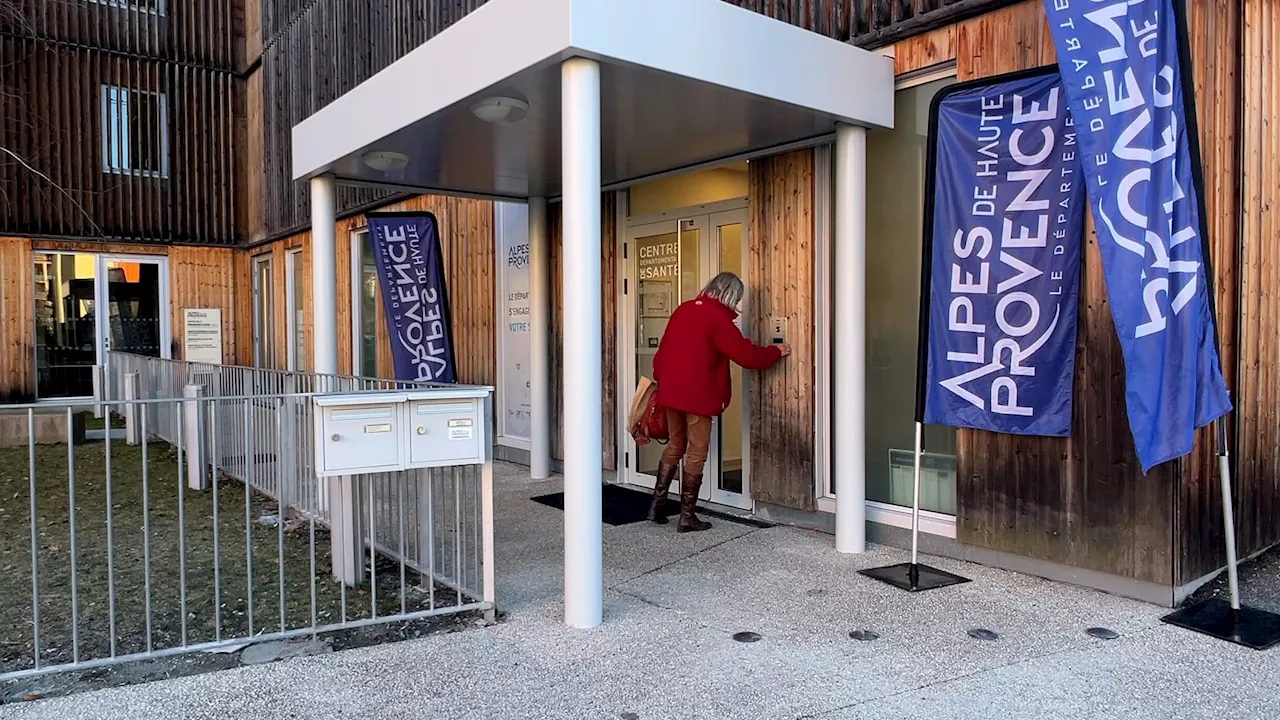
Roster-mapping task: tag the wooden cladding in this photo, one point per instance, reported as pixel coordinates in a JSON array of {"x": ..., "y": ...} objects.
[
  {"x": 870, "y": 23},
  {"x": 119, "y": 123},
  {"x": 17, "y": 321},
  {"x": 780, "y": 284},
  {"x": 1258, "y": 397},
  {"x": 202, "y": 33},
  {"x": 315, "y": 51},
  {"x": 609, "y": 294}
]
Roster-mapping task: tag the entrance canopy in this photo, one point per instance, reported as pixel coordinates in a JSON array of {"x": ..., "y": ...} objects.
[
  {"x": 530, "y": 99},
  {"x": 683, "y": 82}
]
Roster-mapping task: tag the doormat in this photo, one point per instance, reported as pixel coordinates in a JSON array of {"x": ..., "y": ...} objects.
[{"x": 623, "y": 506}]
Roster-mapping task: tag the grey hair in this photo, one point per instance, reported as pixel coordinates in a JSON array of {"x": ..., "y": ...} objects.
[{"x": 726, "y": 288}]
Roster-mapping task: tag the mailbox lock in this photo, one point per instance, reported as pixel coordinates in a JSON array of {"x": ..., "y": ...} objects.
[
  {"x": 336, "y": 437},
  {"x": 422, "y": 431}
]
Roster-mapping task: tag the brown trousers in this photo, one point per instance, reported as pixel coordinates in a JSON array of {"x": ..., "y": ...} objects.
[{"x": 689, "y": 437}]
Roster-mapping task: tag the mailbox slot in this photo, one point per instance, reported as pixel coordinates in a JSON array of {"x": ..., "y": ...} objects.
[
  {"x": 359, "y": 434},
  {"x": 445, "y": 432}
]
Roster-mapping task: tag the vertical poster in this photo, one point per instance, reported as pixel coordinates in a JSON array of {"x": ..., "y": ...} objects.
[
  {"x": 1003, "y": 233},
  {"x": 512, "y": 258},
  {"x": 406, "y": 251}
]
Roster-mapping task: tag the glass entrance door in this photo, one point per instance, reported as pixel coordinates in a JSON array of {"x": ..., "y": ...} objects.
[
  {"x": 668, "y": 263},
  {"x": 88, "y": 304}
]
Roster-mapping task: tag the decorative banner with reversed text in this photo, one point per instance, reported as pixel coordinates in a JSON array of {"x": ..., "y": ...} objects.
[
  {"x": 1120, "y": 67},
  {"x": 406, "y": 250}
]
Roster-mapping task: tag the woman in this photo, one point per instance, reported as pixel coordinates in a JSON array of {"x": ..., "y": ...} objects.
[{"x": 691, "y": 369}]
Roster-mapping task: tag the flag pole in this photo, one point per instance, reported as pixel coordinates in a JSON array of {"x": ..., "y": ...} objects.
[
  {"x": 912, "y": 576},
  {"x": 1226, "y": 620}
]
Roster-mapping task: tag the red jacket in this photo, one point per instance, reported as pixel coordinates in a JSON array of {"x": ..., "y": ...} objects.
[{"x": 692, "y": 363}]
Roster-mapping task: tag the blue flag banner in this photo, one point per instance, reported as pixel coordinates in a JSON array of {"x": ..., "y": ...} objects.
[
  {"x": 406, "y": 250},
  {"x": 1120, "y": 67},
  {"x": 1005, "y": 226}
]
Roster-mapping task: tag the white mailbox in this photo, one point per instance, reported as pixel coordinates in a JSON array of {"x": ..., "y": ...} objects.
[
  {"x": 448, "y": 426},
  {"x": 358, "y": 434}
]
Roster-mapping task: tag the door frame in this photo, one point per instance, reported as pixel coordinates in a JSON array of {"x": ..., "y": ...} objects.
[
  {"x": 631, "y": 227},
  {"x": 102, "y": 310},
  {"x": 102, "y": 298}
]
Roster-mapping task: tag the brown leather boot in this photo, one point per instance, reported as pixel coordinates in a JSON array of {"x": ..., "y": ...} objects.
[
  {"x": 658, "y": 510},
  {"x": 689, "y": 522}
]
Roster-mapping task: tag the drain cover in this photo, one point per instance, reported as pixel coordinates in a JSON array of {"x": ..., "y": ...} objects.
[
  {"x": 983, "y": 634},
  {"x": 747, "y": 637},
  {"x": 1103, "y": 633},
  {"x": 864, "y": 635}
]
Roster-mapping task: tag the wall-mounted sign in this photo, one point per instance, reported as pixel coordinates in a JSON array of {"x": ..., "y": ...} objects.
[
  {"x": 202, "y": 335},
  {"x": 514, "y": 410}
]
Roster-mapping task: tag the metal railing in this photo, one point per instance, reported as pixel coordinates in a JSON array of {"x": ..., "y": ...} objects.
[{"x": 198, "y": 522}]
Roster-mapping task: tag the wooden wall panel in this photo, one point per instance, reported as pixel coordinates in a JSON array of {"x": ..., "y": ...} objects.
[
  {"x": 1215, "y": 37},
  {"x": 780, "y": 277},
  {"x": 205, "y": 278},
  {"x": 609, "y": 345},
  {"x": 17, "y": 321},
  {"x": 1258, "y": 399},
  {"x": 57, "y": 57}
]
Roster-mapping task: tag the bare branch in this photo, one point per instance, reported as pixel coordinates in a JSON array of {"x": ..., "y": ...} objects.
[{"x": 55, "y": 186}]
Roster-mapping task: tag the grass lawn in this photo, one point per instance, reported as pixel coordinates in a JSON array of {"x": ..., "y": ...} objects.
[{"x": 158, "y": 511}]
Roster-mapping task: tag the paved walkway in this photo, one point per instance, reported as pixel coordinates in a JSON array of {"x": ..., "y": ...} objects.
[{"x": 666, "y": 648}]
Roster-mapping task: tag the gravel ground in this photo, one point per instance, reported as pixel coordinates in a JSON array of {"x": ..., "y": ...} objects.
[{"x": 1259, "y": 583}]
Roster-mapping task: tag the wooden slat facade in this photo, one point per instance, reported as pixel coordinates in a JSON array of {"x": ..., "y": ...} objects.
[
  {"x": 59, "y": 58},
  {"x": 1258, "y": 399},
  {"x": 17, "y": 321},
  {"x": 780, "y": 279},
  {"x": 609, "y": 298}
]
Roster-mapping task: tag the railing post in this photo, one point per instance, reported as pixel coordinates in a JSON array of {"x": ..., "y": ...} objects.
[
  {"x": 486, "y": 516},
  {"x": 132, "y": 431},
  {"x": 193, "y": 422},
  {"x": 347, "y": 544}
]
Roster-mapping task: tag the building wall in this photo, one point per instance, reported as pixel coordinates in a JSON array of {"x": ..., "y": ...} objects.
[
  {"x": 56, "y": 57},
  {"x": 1258, "y": 400},
  {"x": 17, "y": 321}
]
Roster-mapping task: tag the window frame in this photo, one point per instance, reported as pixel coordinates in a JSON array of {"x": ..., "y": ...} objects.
[
  {"x": 116, "y": 134},
  {"x": 133, "y": 6},
  {"x": 263, "y": 347}
]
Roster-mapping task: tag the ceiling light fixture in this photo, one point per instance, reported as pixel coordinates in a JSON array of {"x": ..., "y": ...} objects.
[
  {"x": 385, "y": 160},
  {"x": 501, "y": 110}
]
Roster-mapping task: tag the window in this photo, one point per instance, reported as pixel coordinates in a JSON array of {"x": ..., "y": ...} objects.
[
  {"x": 135, "y": 136},
  {"x": 895, "y": 218},
  {"x": 293, "y": 315},
  {"x": 264, "y": 307},
  {"x": 364, "y": 304},
  {"x": 155, "y": 7}
]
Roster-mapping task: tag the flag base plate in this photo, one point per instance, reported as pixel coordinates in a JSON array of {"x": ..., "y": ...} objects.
[
  {"x": 914, "y": 577},
  {"x": 1250, "y": 627}
]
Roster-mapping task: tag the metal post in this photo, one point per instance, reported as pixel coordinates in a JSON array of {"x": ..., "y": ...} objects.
[
  {"x": 131, "y": 430},
  {"x": 539, "y": 341},
  {"x": 486, "y": 516},
  {"x": 324, "y": 277},
  {"x": 193, "y": 422},
  {"x": 580, "y": 144},
  {"x": 849, "y": 333},
  {"x": 344, "y": 533},
  {"x": 1228, "y": 515},
  {"x": 915, "y": 496}
]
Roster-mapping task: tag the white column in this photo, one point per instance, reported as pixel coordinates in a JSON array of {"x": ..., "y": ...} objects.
[
  {"x": 580, "y": 143},
  {"x": 324, "y": 276},
  {"x": 539, "y": 341},
  {"x": 849, "y": 333}
]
